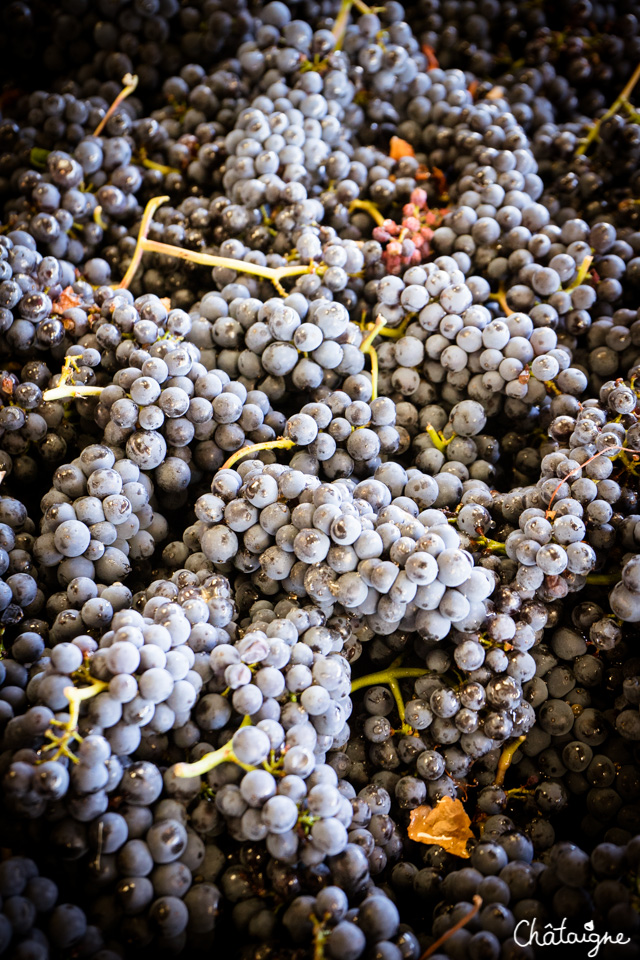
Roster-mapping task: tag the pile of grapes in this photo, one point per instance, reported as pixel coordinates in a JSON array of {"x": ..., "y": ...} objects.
[{"x": 319, "y": 479}]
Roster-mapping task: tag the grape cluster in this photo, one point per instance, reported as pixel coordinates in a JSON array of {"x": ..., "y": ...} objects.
[{"x": 34, "y": 923}]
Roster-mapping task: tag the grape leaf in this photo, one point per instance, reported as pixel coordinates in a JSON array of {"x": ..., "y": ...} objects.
[{"x": 446, "y": 824}]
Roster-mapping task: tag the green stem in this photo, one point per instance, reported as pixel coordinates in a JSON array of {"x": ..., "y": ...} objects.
[
  {"x": 390, "y": 678},
  {"x": 61, "y": 742},
  {"x": 223, "y": 754},
  {"x": 99, "y": 219},
  {"x": 594, "y": 131},
  {"x": 367, "y": 347},
  {"x": 373, "y": 331},
  {"x": 282, "y": 443},
  {"x": 320, "y": 934},
  {"x": 275, "y": 274},
  {"x": 501, "y": 298},
  {"x": 214, "y": 758},
  {"x": 506, "y": 758},
  {"x": 396, "y": 332},
  {"x": 603, "y": 579},
  {"x": 341, "y": 22},
  {"x": 493, "y": 546},
  {"x": 152, "y": 165},
  {"x": 386, "y": 677},
  {"x": 437, "y": 439},
  {"x": 582, "y": 273},
  {"x": 394, "y": 686},
  {"x": 371, "y": 209}
]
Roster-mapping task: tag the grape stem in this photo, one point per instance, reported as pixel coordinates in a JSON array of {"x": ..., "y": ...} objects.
[
  {"x": 144, "y": 161},
  {"x": 501, "y": 298},
  {"x": 621, "y": 101},
  {"x": 98, "y": 218},
  {"x": 274, "y": 274},
  {"x": 603, "y": 579},
  {"x": 307, "y": 820},
  {"x": 371, "y": 209},
  {"x": 320, "y": 934},
  {"x": 577, "y": 470},
  {"x": 396, "y": 332},
  {"x": 60, "y": 742},
  {"x": 145, "y": 223},
  {"x": 367, "y": 347},
  {"x": 437, "y": 438},
  {"x": 551, "y": 387},
  {"x": 223, "y": 754},
  {"x": 506, "y": 758},
  {"x": 491, "y": 546},
  {"x": 389, "y": 678},
  {"x": 582, "y": 273},
  {"x": 383, "y": 677},
  {"x": 70, "y": 391},
  {"x": 214, "y": 758},
  {"x": 282, "y": 443},
  {"x": 66, "y": 388},
  {"x": 462, "y": 922},
  {"x": 130, "y": 82},
  {"x": 342, "y": 20}
]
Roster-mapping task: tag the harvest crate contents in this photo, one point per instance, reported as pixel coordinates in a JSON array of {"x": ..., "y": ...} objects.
[{"x": 319, "y": 480}]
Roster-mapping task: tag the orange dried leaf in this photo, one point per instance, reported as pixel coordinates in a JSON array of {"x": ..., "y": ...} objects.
[
  {"x": 473, "y": 88},
  {"x": 446, "y": 824},
  {"x": 166, "y": 301},
  {"x": 440, "y": 179},
  {"x": 496, "y": 93},
  {"x": 399, "y": 148},
  {"x": 432, "y": 60},
  {"x": 67, "y": 299}
]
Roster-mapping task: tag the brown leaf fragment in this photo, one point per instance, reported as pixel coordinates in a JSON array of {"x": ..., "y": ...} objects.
[
  {"x": 440, "y": 179},
  {"x": 399, "y": 148},
  {"x": 446, "y": 824},
  {"x": 67, "y": 299}
]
